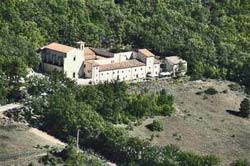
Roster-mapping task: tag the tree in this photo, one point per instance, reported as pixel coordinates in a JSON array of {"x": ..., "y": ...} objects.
[
  {"x": 182, "y": 68},
  {"x": 245, "y": 108},
  {"x": 155, "y": 126}
]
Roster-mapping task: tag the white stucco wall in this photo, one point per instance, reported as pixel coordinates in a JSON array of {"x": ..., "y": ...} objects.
[
  {"x": 123, "y": 56},
  {"x": 125, "y": 74},
  {"x": 150, "y": 65},
  {"x": 95, "y": 74},
  {"x": 156, "y": 70},
  {"x": 73, "y": 63}
]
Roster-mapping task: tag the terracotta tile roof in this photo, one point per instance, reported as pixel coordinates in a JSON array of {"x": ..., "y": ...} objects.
[
  {"x": 121, "y": 65},
  {"x": 174, "y": 60},
  {"x": 89, "y": 54},
  {"x": 59, "y": 47},
  {"x": 146, "y": 52}
]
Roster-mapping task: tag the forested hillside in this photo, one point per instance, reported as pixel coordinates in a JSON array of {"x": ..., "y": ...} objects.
[{"x": 212, "y": 35}]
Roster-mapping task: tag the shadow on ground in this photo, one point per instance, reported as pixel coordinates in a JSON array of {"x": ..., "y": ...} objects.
[{"x": 233, "y": 112}]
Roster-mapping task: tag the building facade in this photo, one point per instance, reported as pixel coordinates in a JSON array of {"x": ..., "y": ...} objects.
[
  {"x": 93, "y": 66},
  {"x": 173, "y": 64}
]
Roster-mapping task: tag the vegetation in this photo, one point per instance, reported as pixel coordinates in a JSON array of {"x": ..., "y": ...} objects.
[
  {"x": 213, "y": 36},
  {"x": 208, "y": 91},
  {"x": 211, "y": 91},
  {"x": 155, "y": 126},
  {"x": 245, "y": 108},
  {"x": 241, "y": 163},
  {"x": 234, "y": 87},
  {"x": 70, "y": 156},
  {"x": 68, "y": 107}
]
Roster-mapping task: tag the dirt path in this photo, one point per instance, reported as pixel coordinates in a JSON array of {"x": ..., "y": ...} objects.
[
  {"x": 45, "y": 136},
  {"x": 10, "y": 106}
]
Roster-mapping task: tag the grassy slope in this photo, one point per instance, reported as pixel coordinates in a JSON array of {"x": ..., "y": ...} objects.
[{"x": 203, "y": 125}]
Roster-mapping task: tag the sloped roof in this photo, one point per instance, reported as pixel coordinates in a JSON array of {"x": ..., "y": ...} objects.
[
  {"x": 146, "y": 52},
  {"x": 59, "y": 47},
  {"x": 121, "y": 65},
  {"x": 89, "y": 54},
  {"x": 102, "y": 52},
  {"x": 174, "y": 60}
]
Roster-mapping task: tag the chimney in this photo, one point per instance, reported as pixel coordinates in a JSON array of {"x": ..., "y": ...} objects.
[{"x": 81, "y": 45}]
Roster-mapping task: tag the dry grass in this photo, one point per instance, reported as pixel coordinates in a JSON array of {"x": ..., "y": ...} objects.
[
  {"x": 201, "y": 123},
  {"x": 17, "y": 138}
]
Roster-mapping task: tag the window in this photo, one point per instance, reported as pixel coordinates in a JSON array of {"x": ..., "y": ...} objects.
[
  {"x": 74, "y": 58},
  {"x": 107, "y": 73},
  {"x": 122, "y": 71},
  {"x": 74, "y": 75},
  {"x": 141, "y": 68},
  {"x": 113, "y": 72},
  {"x": 135, "y": 69}
]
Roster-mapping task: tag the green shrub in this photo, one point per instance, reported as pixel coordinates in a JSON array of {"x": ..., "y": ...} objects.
[
  {"x": 241, "y": 163},
  {"x": 225, "y": 91},
  {"x": 199, "y": 93},
  {"x": 211, "y": 91},
  {"x": 155, "y": 126},
  {"x": 245, "y": 108},
  {"x": 234, "y": 87}
]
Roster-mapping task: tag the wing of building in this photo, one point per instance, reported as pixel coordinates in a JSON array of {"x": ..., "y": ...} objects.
[{"x": 95, "y": 65}]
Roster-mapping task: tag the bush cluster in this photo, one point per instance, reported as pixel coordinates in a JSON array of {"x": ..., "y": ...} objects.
[
  {"x": 211, "y": 91},
  {"x": 69, "y": 107},
  {"x": 155, "y": 126}
]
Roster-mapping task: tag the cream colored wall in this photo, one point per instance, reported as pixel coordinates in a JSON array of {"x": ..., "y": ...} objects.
[
  {"x": 124, "y": 74},
  {"x": 48, "y": 67},
  {"x": 105, "y": 61},
  {"x": 123, "y": 56},
  {"x": 150, "y": 65},
  {"x": 156, "y": 70},
  {"x": 74, "y": 66},
  {"x": 88, "y": 69},
  {"x": 95, "y": 74},
  {"x": 138, "y": 71}
]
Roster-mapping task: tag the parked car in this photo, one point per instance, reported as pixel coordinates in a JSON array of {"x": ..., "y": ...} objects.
[{"x": 166, "y": 74}]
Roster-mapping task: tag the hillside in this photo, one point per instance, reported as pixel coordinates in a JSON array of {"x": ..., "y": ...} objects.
[
  {"x": 202, "y": 123},
  {"x": 17, "y": 139},
  {"x": 213, "y": 36}
]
